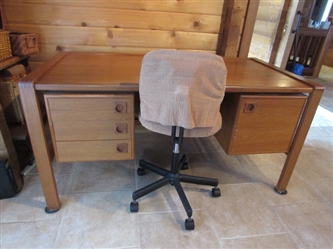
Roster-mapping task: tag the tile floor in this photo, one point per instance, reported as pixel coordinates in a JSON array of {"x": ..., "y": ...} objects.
[{"x": 95, "y": 200}]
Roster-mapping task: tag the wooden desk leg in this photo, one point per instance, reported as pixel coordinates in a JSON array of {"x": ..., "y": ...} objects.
[
  {"x": 298, "y": 141},
  {"x": 40, "y": 148}
]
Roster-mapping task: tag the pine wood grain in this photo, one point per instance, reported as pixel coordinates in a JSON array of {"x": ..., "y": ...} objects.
[
  {"x": 236, "y": 11},
  {"x": 133, "y": 26},
  {"x": 213, "y": 7},
  {"x": 265, "y": 28},
  {"x": 49, "y": 50},
  {"x": 119, "y": 37},
  {"x": 39, "y": 14}
]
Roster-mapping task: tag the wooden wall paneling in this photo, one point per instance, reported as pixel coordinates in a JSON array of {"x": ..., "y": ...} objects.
[
  {"x": 250, "y": 19},
  {"x": 260, "y": 46},
  {"x": 135, "y": 26},
  {"x": 235, "y": 15},
  {"x": 263, "y": 41},
  {"x": 211, "y": 7},
  {"x": 64, "y": 35},
  {"x": 268, "y": 14},
  {"x": 287, "y": 39},
  {"x": 224, "y": 29},
  {"x": 236, "y": 24},
  {"x": 163, "y": 39},
  {"x": 39, "y": 14},
  {"x": 265, "y": 28},
  {"x": 119, "y": 37},
  {"x": 49, "y": 50},
  {"x": 46, "y": 51},
  {"x": 279, "y": 31}
]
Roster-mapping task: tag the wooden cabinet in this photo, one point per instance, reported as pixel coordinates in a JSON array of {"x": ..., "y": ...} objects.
[
  {"x": 90, "y": 127},
  {"x": 259, "y": 123}
]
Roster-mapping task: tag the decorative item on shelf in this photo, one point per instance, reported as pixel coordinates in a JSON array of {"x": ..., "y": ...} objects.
[
  {"x": 23, "y": 43},
  {"x": 9, "y": 93},
  {"x": 5, "y": 48}
]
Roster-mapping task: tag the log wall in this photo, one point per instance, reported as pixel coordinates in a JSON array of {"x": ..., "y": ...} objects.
[
  {"x": 128, "y": 26},
  {"x": 265, "y": 29}
]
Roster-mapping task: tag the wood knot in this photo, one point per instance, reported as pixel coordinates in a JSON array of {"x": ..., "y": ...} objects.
[
  {"x": 173, "y": 33},
  {"x": 196, "y": 23},
  {"x": 60, "y": 48},
  {"x": 110, "y": 34},
  {"x": 84, "y": 24}
]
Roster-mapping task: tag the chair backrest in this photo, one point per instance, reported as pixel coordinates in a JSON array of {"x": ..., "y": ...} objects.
[
  {"x": 182, "y": 88},
  {"x": 312, "y": 46}
]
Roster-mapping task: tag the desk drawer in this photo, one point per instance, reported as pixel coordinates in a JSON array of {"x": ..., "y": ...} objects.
[
  {"x": 78, "y": 120},
  {"x": 80, "y": 151},
  {"x": 90, "y": 117},
  {"x": 259, "y": 123}
]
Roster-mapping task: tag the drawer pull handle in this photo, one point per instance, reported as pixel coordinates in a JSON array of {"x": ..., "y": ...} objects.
[
  {"x": 120, "y": 108},
  {"x": 249, "y": 107},
  {"x": 122, "y": 148},
  {"x": 121, "y": 128}
]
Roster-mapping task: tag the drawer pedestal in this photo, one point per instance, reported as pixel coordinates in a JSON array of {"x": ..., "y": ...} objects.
[
  {"x": 253, "y": 124},
  {"x": 91, "y": 127}
]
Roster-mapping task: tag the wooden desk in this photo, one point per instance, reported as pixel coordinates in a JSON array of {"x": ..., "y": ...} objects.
[{"x": 106, "y": 73}]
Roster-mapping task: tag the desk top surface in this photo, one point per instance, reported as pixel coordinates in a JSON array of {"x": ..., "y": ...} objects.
[{"x": 91, "y": 71}]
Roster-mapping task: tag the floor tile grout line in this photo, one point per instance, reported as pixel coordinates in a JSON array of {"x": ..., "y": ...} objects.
[
  {"x": 303, "y": 203},
  {"x": 286, "y": 227},
  {"x": 253, "y": 236}
]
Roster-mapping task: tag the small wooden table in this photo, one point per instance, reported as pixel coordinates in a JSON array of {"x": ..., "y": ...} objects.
[{"x": 253, "y": 88}]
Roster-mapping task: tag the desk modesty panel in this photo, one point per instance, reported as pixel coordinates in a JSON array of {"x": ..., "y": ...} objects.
[{"x": 251, "y": 114}]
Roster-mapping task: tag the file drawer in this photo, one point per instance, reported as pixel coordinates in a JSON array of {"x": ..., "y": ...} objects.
[
  {"x": 254, "y": 124},
  {"x": 95, "y": 150}
]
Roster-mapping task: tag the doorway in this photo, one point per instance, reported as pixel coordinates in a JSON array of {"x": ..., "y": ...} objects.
[
  {"x": 273, "y": 38},
  {"x": 266, "y": 29},
  {"x": 272, "y": 32}
]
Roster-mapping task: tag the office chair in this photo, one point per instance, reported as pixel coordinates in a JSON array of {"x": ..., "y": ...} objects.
[{"x": 180, "y": 95}]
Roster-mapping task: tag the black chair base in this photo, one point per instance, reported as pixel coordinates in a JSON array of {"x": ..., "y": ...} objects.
[{"x": 174, "y": 178}]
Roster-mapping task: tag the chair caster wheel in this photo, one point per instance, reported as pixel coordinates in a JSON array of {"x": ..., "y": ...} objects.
[
  {"x": 216, "y": 192},
  {"x": 134, "y": 207},
  {"x": 141, "y": 171},
  {"x": 189, "y": 224}
]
